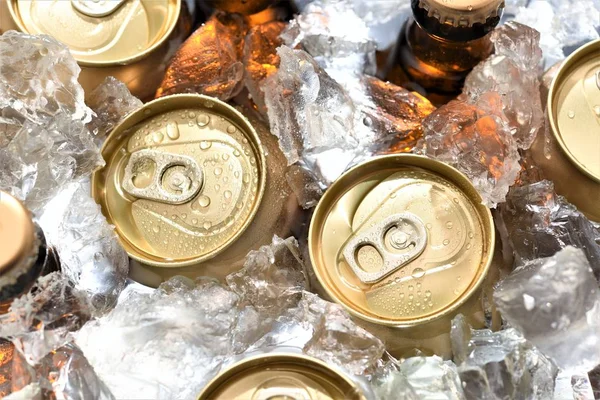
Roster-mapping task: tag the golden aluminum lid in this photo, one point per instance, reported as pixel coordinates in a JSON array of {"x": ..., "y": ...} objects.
[
  {"x": 17, "y": 234},
  {"x": 100, "y": 32},
  {"x": 574, "y": 108},
  {"x": 279, "y": 376},
  {"x": 184, "y": 177},
  {"x": 400, "y": 240},
  {"x": 462, "y": 12}
]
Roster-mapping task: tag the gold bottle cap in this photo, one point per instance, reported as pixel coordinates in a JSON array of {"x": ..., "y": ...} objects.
[
  {"x": 278, "y": 376},
  {"x": 184, "y": 177},
  {"x": 462, "y": 13},
  {"x": 574, "y": 109},
  {"x": 100, "y": 32},
  {"x": 17, "y": 234},
  {"x": 401, "y": 240}
]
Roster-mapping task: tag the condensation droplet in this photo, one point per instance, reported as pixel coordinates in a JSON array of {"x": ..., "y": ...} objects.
[
  {"x": 218, "y": 171},
  {"x": 158, "y": 137},
  {"x": 429, "y": 226},
  {"x": 204, "y": 201},
  {"x": 418, "y": 273},
  {"x": 172, "y": 130},
  {"x": 225, "y": 156},
  {"x": 207, "y": 225},
  {"x": 194, "y": 221},
  {"x": 571, "y": 114},
  {"x": 227, "y": 194},
  {"x": 449, "y": 225},
  {"x": 204, "y": 145},
  {"x": 446, "y": 242},
  {"x": 231, "y": 129},
  {"x": 597, "y": 110},
  {"x": 156, "y": 229},
  {"x": 202, "y": 120}
]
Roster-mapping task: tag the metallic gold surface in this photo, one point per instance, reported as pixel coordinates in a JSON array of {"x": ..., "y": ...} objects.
[
  {"x": 574, "y": 109},
  {"x": 395, "y": 199},
  {"x": 243, "y": 201},
  {"x": 184, "y": 178},
  {"x": 17, "y": 234},
  {"x": 279, "y": 376},
  {"x": 461, "y": 12},
  {"x": 132, "y": 43},
  {"x": 568, "y": 151}
]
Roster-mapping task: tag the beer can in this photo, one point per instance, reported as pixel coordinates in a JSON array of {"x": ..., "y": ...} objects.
[
  {"x": 191, "y": 185},
  {"x": 282, "y": 376},
  {"x": 131, "y": 40},
  {"x": 404, "y": 243},
  {"x": 569, "y": 154}
]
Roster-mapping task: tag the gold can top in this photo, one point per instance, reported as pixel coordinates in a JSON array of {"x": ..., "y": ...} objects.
[
  {"x": 184, "y": 177},
  {"x": 100, "y": 32},
  {"x": 574, "y": 109},
  {"x": 401, "y": 240},
  {"x": 462, "y": 13},
  {"x": 17, "y": 236},
  {"x": 281, "y": 376}
]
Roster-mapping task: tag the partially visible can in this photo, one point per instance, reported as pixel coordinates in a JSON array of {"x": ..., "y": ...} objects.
[
  {"x": 282, "y": 376},
  {"x": 404, "y": 243},
  {"x": 24, "y": 255},
  {"x": 191, "y": 186},
  {"x": 131, "y": 40},
  {"x": 570, "y": 154}
]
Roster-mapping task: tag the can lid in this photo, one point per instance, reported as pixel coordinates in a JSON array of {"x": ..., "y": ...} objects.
[
  {"x": 100, "y": 32},
  {"x": 17, "y": 234},
  {"x": 279, "y": 376},
  {"x": 461, "y": 13},
  {"x": 400, "y": 240},
  {"x": 184, "y": 177},
  {"x": 574, "y": 108}
]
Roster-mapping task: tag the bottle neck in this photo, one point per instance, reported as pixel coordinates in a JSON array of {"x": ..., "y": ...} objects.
[
  {"x": 41, "y": 262},
  {"x": 447, "y": 31}
]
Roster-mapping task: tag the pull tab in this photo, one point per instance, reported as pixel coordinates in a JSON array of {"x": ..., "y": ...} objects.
[
  {"x": 406, "y": 238},
  {"x": 168, "y": 178},
  {"x": 97, "y": 8}
]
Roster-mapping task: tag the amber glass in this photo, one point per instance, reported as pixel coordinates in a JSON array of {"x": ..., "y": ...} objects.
[{"x": 437, "y": 64}]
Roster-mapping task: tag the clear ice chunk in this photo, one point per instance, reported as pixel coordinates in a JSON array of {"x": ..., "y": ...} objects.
[
  {"x": 90, "y": 253},
  {"x": 261, "y": 59},
  {"x": 513, "y": 72},
  {"x": 308, "y": 110},
  {"x": 210, "y": 61},
  {"x": 164, "y": 344},
  {"x": 564, "y": 25},
  {"x": 44, "y": 143},
  {"x": 271, "y": 281},
  {"x": 64, "y": 373},
  {"x": 43, "y": 319},
  {"x": 500, "y": 365},
  {"x": 536, "y": 223},
  {"x": 334, "y": 35},
  {"x": 432, "y": 378},
  {"x": 555, "y": 303},
  {"x": 475, "y": 139},
  {"x": 111, "y": 101}
]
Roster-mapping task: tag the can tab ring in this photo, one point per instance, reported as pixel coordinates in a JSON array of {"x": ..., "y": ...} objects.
[
  {"x": 167, "y": 178},
  {"x": 97, "y": 8},
  {"x": 406, "y": 236}
]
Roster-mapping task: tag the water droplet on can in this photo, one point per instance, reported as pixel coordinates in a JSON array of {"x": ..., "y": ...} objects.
[
  {"x": 172, "y": 130},
  {"x": 418, "y": 273},
  {"x": 231, "y": 129},
  {"x": 202, "y": 120}
]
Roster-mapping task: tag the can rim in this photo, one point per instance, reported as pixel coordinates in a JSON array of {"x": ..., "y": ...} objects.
[
  {"x": 249, "y": 362},
  {"x": 97, "y": 182},
  {"x": 563, "y": 72},
  {"x": 407, "y": 160},
  {"x": 16, "y": 17}
]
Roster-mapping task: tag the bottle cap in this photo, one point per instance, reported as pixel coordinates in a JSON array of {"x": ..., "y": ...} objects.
[{"x": 462, "y": 13}]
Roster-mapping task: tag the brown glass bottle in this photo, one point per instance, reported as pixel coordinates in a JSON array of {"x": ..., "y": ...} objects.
[
  {"x": 24, "y": 256},
  {"x": 444, "y": 40}
]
